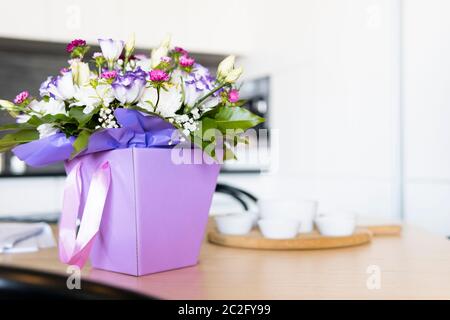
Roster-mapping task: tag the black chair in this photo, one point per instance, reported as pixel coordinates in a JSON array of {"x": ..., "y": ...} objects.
[
  {"x": 17, "y": 283},
  {"x": 238, "y": 194}
]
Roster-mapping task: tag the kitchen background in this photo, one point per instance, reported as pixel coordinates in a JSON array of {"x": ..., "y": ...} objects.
[{"x": 355, "y": 91}]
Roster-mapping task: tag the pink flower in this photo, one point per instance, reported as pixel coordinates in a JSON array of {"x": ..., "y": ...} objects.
[
  {"x": 109, "y": 74},
  {"x": 233, "y": 96},
  {"x": 75, "y": 43},
  {"x": 181, "y": 51},
  {"x": 186, "y": 61},
  {"x": 158, "y": 76},
  {"x": 21, "y": 97}
]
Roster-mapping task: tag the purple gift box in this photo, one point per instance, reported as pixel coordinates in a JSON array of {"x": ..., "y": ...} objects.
[{"x": 156, "y": 211}]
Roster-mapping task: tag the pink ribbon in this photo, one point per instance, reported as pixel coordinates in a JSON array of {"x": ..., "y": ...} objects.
[{"x": 74, "y": 249}]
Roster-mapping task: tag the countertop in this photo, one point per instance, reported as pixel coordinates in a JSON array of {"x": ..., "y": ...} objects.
[{"x": 415, "y": 265}]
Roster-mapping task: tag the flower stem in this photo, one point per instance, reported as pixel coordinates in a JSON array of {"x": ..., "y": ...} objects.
[{"x": 201, "y": 100}]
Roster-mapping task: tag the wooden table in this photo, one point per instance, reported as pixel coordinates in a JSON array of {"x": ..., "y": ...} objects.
[{"x": 413, "y": 266}]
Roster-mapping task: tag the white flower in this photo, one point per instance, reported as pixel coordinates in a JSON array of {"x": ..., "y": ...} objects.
[
  {"x": 46, "y": 130},
  {"x": 210, "y": 103},
  {"x": 234, "y": 75},
  {"x": 91, "y": 98},
  {"x": 169, "y": 101},
  {"x": 53, "y": 107},
  {"x": 160, "y": 52},
  {"x": 227, "y": 72},
  {"x": 80, "y": 72},
  {"x": 62, "y": 88},
  {"x": 225, "y": 66},
  {"x": 111, "y": 49},
  {"x": 129, "y": 46},
  {"x": 191, "y": 95},
  {"x": 42, "y": 108},
  {"x": 22, "y": 118},
  {"x": 148, "y": 99},
  {"x": 144, "y": 63}
]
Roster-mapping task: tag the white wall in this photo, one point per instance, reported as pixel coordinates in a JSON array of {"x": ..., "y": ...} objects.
[
  {"x": 334, "y": 68},
  {"x": 426, "y": 104}
]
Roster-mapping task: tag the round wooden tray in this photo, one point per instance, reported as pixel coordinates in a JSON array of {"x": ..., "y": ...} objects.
[{"x": 309, "y": 241}]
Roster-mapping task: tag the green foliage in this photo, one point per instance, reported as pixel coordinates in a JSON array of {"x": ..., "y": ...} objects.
[
  {"x": 10, "y": 140},
  {"x": 81, "y": 142}
]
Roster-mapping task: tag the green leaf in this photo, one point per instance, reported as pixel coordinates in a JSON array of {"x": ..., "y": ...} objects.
[
  {"x": 233, "y": 118},
  {"x": 14, "y": 126},
  {"x": 81, "y": 142},
  {"x": 80, "y": 116},
  {"x": 21, "y": 136}
]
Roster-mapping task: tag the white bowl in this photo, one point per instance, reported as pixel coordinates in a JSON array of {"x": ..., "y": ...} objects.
[
  {"x": 235, "y": 224},
  {"x": 302, "y": 210},
  {"x": 279, "y": 228},
  {"x": 336, "y": 226}
]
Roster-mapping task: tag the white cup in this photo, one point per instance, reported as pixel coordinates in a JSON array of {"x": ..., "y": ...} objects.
[
  {"x": 235, "y": 224},
  {"x": 302, "y": 210},
  {"x": 279, "y": 228},
  {"x": 336, "y": 225}
]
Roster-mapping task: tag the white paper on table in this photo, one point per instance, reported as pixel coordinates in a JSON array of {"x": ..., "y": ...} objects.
[{"x": 44, "y": 240}]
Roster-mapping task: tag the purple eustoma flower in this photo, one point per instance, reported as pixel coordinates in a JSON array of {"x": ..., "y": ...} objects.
[
  {"x": 75, "y": 43},
  {"x": 21, "y": 97},
  {"x": 129, "y": 87},
  {"x": 158, "y": 75}
]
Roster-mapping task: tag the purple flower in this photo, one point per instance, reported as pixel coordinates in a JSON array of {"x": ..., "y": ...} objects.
[
  {"x": 198, "y": 83},
  {"x": 186, "y": 61},
  {"x": 43, "y": 89},
  {"x": 75, "y": 43},
  {"x": 21, "y": 97},
  {"x": 158, "y": 76},
  {"x": 129, "y": 87},
  {"x": 109, "y": 74},
  {"x": 233, "y": 96}
]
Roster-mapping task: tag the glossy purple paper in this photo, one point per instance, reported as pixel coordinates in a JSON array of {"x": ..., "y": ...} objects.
[{"x": 156, "y": 211}]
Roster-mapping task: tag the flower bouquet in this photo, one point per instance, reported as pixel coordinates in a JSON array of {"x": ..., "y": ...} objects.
[{"x": 118, "y": 121}]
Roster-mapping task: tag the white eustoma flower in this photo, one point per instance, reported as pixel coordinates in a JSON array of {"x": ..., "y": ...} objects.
[
  {"x": 210, "y": 103},
  {"x": 80, "y": 72},
  {"x": 191, "y": 95},
  {"x": 22, "y": 118},
  {"x": 233, "y": 75},
  {"x": 52, "y": 107},
  {"x": 143, "y": 62},
  {"x": 169, "y": 101},
  {"x": 111, "y": 49},
  {"x": 62, "y": 87},
  {"x": 225, "y": 66},
  {"x": 148, "y": 99},
  {"x": 91, "y": 98},
  {"x": 129, "y": 46},
  {"x": 160, "y": 52},
  {"x": 46, "y": 130}
]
